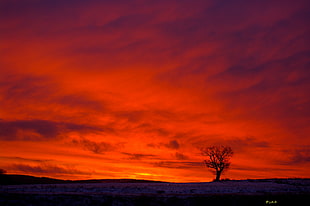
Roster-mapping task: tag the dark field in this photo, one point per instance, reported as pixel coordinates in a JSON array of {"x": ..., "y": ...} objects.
[{"x": 247, "y": 192}]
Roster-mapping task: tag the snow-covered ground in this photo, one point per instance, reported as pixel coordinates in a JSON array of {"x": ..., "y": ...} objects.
[
  {"x": 296, "y": 186},
  {"x": 273, "y": 192}
]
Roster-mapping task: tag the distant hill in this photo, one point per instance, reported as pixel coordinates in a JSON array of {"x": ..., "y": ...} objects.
[
  {"x": 116, "y": 181},
  {"x": 7, "y": 179}
]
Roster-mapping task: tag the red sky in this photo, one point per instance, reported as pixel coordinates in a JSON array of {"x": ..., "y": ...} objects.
[{"x": 133, "y": 89}]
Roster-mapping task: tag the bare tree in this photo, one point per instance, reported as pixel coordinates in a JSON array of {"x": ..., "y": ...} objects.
[{"x": 218, "y": 158}]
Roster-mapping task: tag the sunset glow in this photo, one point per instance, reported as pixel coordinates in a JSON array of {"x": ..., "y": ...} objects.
[{"x": 133, "y": 89}]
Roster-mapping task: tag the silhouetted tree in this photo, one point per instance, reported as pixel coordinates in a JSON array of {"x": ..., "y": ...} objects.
[{"x": 218, "y": 159}]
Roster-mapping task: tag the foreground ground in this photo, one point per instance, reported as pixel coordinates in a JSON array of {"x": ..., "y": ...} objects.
[{"x": 246, "y": 192}]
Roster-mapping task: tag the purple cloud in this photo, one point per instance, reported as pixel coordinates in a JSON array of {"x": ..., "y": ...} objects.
[
  {"x": 40, "y": 129},
  {"x": 138, "y": 156},
  {"x": 95, "y": 147},
  {"x": 46, "y": 169}
]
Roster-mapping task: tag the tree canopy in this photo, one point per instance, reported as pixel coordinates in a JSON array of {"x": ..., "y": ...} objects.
[{"x": 218, "y": 158}]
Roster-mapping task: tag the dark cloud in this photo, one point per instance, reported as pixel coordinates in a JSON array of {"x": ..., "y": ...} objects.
[
  {"x": 269, "y": 75},
  {"x": 22, "y": 159},
  {"x": 301, "y": 156},
  {"x": 256, "y": 42},
  {"x": 28, "y": 130},
  {"x": 238, "y": 144},
  {"x": 159, "y": 131},
  {"x": 249, "y": 168},
  {"x": 95, "y": 147},
  {"x": 152, "y": 145},
  {"x": 178, "y": 165},
  {"x": 153, "y": 128},
  {"x": 46, "y": 169},
  {"x": 37, "y": 12},
  {"x": 143, "y": 117},
  {"x": 173, "y": 144},
  {"x": 247, "y": 143},
  {"x": 142, "y": 21},
  {"x": 298, "y": 156},
  {"x": 40, "y": 129},
  {"x": 29, "y": 92},
  {"x": 82, "y": 101},
  {"x": 26, "y": 87},
  {"x": 132, "y": 116},
  {"x": 138, "y": 156},
  {"x": 180, "y": 156},
  {"x": 275, "y": 90}
]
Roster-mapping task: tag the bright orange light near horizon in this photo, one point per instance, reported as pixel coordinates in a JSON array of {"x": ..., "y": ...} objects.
[{"x": 108, "y": 90}]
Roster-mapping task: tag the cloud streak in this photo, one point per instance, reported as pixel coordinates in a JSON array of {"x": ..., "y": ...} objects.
[
  {"x": 47, "y": 169},
  {"x": 138, "y": 156},
  {"x": 40, "y": 129},
  {"x": 95, "y": 147}
]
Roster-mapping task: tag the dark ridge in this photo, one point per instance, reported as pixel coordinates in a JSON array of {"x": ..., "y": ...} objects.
[
  {"x": 10, "y": 179},
  {"x": 116, "y": 181},
  {"x": 6, "y": 179},
  {"x": 26, "y": 179}
]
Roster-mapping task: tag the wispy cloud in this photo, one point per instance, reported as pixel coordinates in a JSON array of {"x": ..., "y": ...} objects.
[
  {"x": 40, "y": 129},
  {"x": 95, "y": 147},
  {"x": 138, "y": 156},
  {"x": 181, "y": 156},
  {"x": 178, "y": 164},
  {"x": 47, "y": 169},
  {"x": 173, "y": 144}
]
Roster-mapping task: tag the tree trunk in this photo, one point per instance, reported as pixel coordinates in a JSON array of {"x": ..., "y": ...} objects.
[{"x": 218, "y": 175}]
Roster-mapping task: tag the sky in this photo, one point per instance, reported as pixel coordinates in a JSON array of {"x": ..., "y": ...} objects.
[{"x": 134, "y": 89}]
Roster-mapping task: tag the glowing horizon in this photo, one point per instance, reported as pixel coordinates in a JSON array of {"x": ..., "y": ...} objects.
[{"x": 112, "y": 89}]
